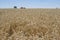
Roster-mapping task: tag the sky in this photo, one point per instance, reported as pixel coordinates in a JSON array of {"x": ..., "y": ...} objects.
[{"x": 30, "y": 3}]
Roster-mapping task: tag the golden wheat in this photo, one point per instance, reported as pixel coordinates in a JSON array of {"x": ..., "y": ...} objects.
[{"x": 29, "y": 24}]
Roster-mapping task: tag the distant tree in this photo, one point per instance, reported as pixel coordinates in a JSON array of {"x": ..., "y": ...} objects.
[
  {"x": 56, "y": 8},
  {"x": 15, "y": 6},
  {"x": 22, "y": 8}
]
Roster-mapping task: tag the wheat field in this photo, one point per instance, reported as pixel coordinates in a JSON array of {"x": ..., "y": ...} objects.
[{"x": 29, "y": 24}]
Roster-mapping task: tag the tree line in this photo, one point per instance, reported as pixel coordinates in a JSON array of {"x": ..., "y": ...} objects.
[{"x": 20, "y": 7}]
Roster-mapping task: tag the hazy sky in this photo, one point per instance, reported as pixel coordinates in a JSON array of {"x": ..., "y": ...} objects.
[{"x": 30, "y": 3}]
